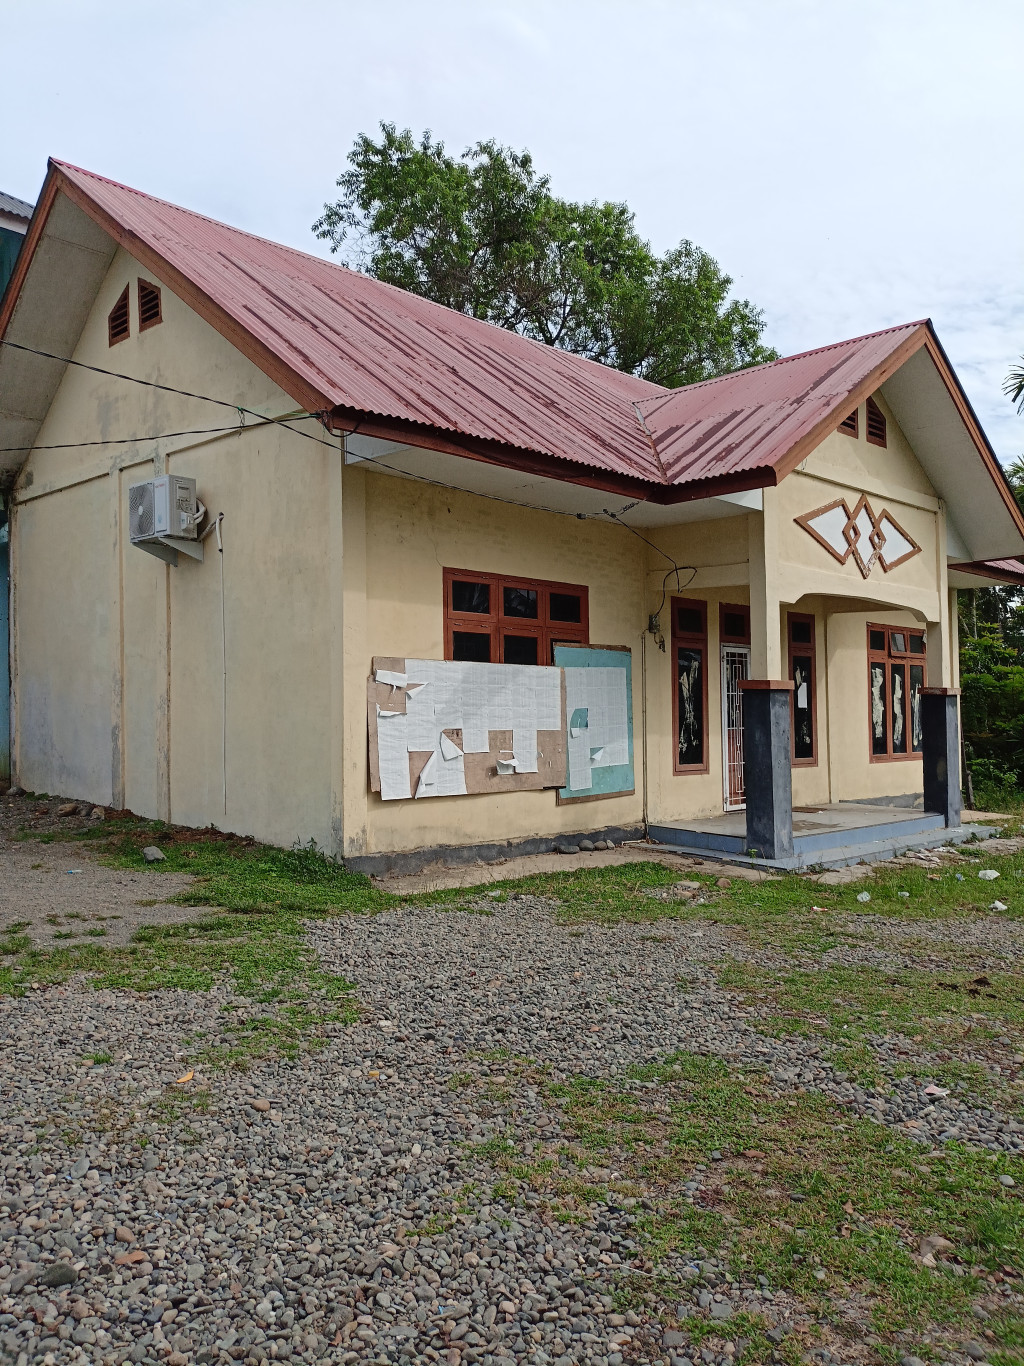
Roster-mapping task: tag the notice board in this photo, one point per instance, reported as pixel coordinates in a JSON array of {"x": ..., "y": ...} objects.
[{"x": 598, "y": 721}]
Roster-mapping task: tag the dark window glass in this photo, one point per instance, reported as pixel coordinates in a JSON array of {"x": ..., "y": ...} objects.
[
  {"x": 899, "y": 643},
  {"x": 474, "y": 645},
  {"x": 734, "y": 624},
  {"x": 690, "y": 621},
  {"x": 520, "y": 602},
  {"x": 565, "y": 607},
  {"x": 876, "y": 640},
  {"x": 800, "y": 632},
  {"x": 690, "y": 667},
  {"x": 803, "y": 708},
  {"x": 916, "y": 684},
  {"x": 899, "y": 709},
  {"x": 470, "y": 597},
  {"x": 520, "y": 650},
  {"x": 917, "y": 645},
  {"x": 879, "y": 708}
]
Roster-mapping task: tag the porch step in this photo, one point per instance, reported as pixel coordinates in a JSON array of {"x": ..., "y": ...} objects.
[
  {"x": 839, "y": 855},
  {"x": 807, "y": 841}
]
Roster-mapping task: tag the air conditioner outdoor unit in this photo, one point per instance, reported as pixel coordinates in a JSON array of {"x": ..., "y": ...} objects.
[{"x": 164, "y": 516}]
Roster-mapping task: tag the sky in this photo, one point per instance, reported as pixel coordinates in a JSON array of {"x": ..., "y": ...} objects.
[{"x": 851, "y": 165}]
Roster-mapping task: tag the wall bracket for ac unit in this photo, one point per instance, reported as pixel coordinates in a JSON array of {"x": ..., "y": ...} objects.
[{"x": 168, "y": 547}]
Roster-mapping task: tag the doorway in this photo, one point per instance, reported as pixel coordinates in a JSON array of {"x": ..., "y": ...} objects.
[{"x": 735, "y": 668}]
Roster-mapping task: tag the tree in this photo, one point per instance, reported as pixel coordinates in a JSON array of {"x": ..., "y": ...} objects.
[
  {"x": 483, "y": 234},
  {"x": 1014, "y": 385}
]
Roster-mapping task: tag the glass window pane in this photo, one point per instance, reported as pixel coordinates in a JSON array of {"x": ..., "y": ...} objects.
[
  {"x": 899, "y": 709},
  {"x": 470, "y": 597},
  {"x": 800, "y": 632},
  {"x": 520, "y": 650},
  {"x": 879, "y": 717},
  {"x": 690, "y": 621},
  {"x": 690, "y": 670},
  {"x": 520, "y": 602},
  {"x": 734, "y": 625},
  {"x": 803, "y": 708},
  {"x": 917, "y": 645},
  {"x": 565, "y": 607},
  {"x": 876, "y": 640},
  {"x": 899, "y": 643},
  {"x": 475, "y": 645},
  {"x": 916, "y": 684}
]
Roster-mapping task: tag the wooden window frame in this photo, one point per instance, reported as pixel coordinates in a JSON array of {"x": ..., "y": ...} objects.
[
  {"x": 850, "y": 426},
  {"x": 496, "y": 625},
  {"x": 889, "y": 656},
  {"x": 874, "y": 410},
  {"x": 692, "y": 641},
  {"x": 743, "y": 609},
  {"x": 811, "y": 649},
  {"x": 123, "y": 299},
  {"x": 148, "y": 284}
]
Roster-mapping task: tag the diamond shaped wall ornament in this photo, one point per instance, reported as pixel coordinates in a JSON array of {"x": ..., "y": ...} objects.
[{"x": 859, "y": 534}]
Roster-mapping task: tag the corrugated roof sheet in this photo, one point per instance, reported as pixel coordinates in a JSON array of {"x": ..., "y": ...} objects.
[
  {"x": 11, "y": 204},
  {"x": 379, "y": 350}
]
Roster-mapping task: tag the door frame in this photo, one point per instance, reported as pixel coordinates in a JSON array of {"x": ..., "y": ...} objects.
[{"x": 743, "y": 651}]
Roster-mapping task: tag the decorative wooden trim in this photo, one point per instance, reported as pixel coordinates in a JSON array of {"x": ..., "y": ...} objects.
[
  {"x": 806, "y": 518},
  {"x": 766, "y": 685},
  {"x": 122, "y": 307},
  {"x": 694, "y": 641},
  {"x": 812, "y": 650},
  {"x": 142, "y": 285},
  {"x": 853, "y": 538},
  {"x": 872, "y": 411},
  {"x": 850, "y": 426}
]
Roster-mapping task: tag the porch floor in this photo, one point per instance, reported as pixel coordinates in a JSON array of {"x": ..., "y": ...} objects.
[{"x": 828, "y": 836}]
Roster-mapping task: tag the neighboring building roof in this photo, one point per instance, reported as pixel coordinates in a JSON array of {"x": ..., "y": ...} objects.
[
  {"x": 1007, "y": 571},
  {"x": 17, "y": 208}
]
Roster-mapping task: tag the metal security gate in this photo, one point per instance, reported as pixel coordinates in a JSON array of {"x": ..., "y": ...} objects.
[{"x": 735, "y": 668}]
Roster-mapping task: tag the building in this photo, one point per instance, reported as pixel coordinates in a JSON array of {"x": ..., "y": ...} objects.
[{"x": 768, "y": 561}]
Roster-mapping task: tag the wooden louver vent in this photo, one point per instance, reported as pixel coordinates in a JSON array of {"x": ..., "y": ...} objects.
[
  {"x": 149, "y": 305},
  {"x": 849, "y": 424},
  {"x": 875, "y": 424},
  {"x": 117, "y": 319}
]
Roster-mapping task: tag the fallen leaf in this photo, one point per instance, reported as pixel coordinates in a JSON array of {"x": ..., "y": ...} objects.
[
  {"x": 187, "y": 1077},
  {"x": 848, "y": 1207},
  {"x": 933, "y": 877},
  {"x": 754, "y": 1152},
  {"x": 844, "y": 1230}
]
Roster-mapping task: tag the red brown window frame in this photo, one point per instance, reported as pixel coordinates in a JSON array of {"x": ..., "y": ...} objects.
[
  {"x": 803, "y": 648},
  {"x": 731, "y": 637},
  {"x": 889, "y": 656},
  {"x": 875, "y": 414},
  {"x": 851, "y": 425},
  {"x": 495, "y": 624},
  {"x": 692, "y": 640},
  {"x": 123, "y": 308},
  {"x": 144, "y": 285}
]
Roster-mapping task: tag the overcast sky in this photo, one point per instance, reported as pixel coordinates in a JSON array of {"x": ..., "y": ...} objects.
[{"x": 851, "y": 165}]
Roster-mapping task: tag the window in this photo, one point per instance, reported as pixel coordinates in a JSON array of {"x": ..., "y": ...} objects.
[
  {"x": 117, "y": 320},
  {"x": 690, "y": 684},
  {"x": 875, "y": 424},
  {"x": 149, "y": 305},
  {"x": 803, "y": 672},
  {"x": 850, "y": 425},
  {"x": 896, "y": 675},
  {"x": 491, "y": 619},
  {"x": 734, "y": 624}
]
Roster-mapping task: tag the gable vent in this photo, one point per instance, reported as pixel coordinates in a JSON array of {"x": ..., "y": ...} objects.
[
  {"x": 149, "y": 305},
  {"x": 875, "y": 424},
  {"x": 117, "y": 319},
  {"x": 849, "y": 424}
]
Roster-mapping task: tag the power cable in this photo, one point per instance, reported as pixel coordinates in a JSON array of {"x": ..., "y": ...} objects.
[{"x": 120, "y": 440}]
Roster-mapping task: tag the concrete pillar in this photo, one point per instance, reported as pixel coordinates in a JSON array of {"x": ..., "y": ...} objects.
[
  {"x": 940, "y": 739},
  {"x": 766, "y": 652},
  {"x": 767, "y": 771}
]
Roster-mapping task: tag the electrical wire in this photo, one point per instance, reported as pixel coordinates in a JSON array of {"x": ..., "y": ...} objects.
[{"x": 122, "y": 440}]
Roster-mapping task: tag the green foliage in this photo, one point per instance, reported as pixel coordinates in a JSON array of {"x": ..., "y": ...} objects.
[
  {"x": 992, "y": 683},
  {"x": 483, "y": 234}
]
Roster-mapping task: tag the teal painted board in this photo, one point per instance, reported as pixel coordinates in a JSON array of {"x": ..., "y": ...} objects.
[
  {"x": 598, "y": 721},
  {"x": 5, "y": 681}
]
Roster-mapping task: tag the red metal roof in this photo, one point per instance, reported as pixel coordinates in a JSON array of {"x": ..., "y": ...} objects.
[{"x": 370, "y": 348}]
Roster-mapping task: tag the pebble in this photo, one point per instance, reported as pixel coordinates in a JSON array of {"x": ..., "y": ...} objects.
[{"x": 153, "y": 855}]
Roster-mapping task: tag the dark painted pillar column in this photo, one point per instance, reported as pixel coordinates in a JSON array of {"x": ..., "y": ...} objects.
[
  {"x": 767, "y": 766},
  {"x": 940, "y": 745}
]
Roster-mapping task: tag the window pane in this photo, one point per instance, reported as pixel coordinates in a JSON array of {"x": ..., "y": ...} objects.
[
  {"x": 899, "y": 709},
  {"x": 690, "y": 668},
  {"x": 916, "y": 684},
  {"x": 475, "y": 645},
  {"x": 690, "y": 621},
  {"x": 565, "y": 607},
  {"x": 520, "y": 602},
  {"x": 876, "y": 640},
  {"x": 879, "y": 727},
  {"x": 520, "y": 650},
  {"x": 899, "y": 643},
  {"x": 734, "y": 624},
  {"x": 803, "y": 708},
  {"x": 917, "y": 645},
  {"x": 470, "y": 597},
  {"x": 800, "y": 632}
]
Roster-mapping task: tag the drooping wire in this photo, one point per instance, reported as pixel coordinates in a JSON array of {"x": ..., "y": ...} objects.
[{"x": 121, "y": 440}]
